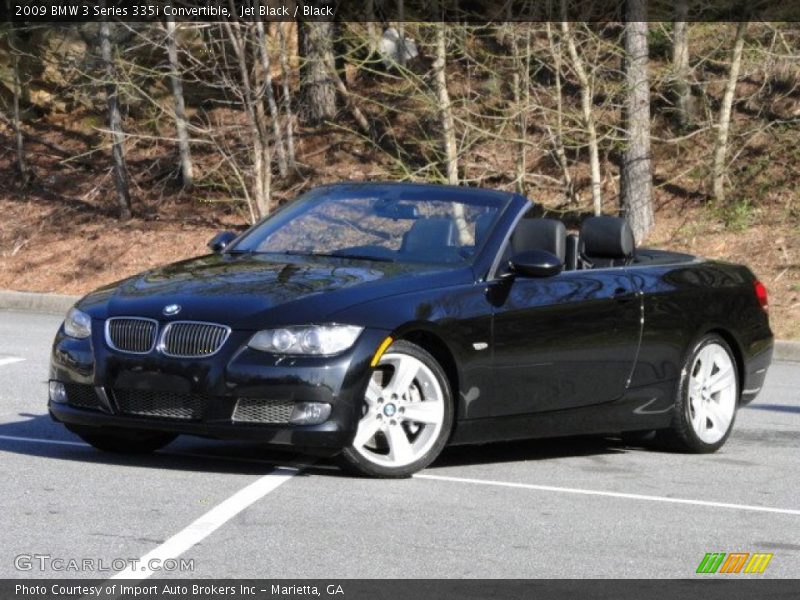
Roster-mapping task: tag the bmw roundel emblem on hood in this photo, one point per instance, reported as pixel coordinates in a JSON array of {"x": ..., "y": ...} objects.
[{"x": 172, "y": 309}]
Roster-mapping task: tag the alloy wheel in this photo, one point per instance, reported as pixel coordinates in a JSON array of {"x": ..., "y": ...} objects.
[
  {"x": 404, "y": 412},
  {"x": 712, "y": 393}
]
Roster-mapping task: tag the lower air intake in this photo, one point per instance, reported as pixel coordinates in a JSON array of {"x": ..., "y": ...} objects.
[
  {"x": 259, "y": 410},
  {"x": 81, "y": 396},
  {"x": 164, "y": 405}
]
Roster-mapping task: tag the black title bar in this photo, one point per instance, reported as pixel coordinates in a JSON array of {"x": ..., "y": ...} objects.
[{"x": 473, "y": 11}]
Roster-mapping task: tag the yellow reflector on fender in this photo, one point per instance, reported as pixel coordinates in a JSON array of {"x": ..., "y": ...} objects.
[{"x": 379, "y": 352}]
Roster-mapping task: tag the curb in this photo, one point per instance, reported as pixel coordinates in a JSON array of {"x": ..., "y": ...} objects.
[
  {"x": 35, "y": 302},
  {"x": 784, "y": 350},
  {"x": 61, "y": 303}
]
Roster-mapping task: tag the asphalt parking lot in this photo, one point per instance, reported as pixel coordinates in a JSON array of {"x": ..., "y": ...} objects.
[{"x": 588, "y": 507}]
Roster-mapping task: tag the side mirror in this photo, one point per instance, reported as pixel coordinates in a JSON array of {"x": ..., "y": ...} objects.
[
  {"x": 535, "y": 263},
  {"x": 220, "y": 241}
]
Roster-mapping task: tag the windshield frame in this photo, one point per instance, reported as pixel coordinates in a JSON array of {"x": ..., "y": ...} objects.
[{"x": 389, "y": 191}]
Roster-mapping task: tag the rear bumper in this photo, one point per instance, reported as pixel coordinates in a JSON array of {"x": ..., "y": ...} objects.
[{"x": 756, "y": 367}]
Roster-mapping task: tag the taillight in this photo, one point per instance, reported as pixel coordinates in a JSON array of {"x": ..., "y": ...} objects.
[{"x": 761, "y": 294}]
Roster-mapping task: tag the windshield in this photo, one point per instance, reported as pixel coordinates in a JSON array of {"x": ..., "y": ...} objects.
[{"x": 379, "y": 224}]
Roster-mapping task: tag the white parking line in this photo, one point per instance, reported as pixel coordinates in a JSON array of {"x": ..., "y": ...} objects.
[
  {"x": 10, "y": 360},
  {"x": 551, "y": 488},
  {"x": 211, "y": 521},
  {"x": 490, "y": 482},
  {"x": 14, "y": 438},
  {"x": 201, "y": 528}
]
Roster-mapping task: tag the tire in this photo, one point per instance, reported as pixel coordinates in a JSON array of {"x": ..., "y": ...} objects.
[
  {"x": 708, "y": 396},
  {"x": 124, "y": 441},
  {"x": 389, "y": 442}
]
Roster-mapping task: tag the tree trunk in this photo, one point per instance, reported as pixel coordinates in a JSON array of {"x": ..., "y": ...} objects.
[
  {"x": 588, "y": 116},
  {"x": 558, "y": 137},
  {"x": 187, "y": 169},
  {"x": 262, "y": 174},
  {"x": 273, "y": 106},
  {"x": 22, "y": 165},
  {"x": 521, "y": 103},
  {"x": 445, "y": 107},
  {"x": 317, "y": 87},
  {"x": 115, "y": 125},
  {"x": 358, "y": 115},
  {"x": 448, "y": 129},
  {"x": 287, "y": 98},
  {"x": 637, "y": 179},
  {"x": 724, "y": 124},
  {"x": 681, "y": 89}
]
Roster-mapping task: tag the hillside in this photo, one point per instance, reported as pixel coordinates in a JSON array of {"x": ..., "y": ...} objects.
[{"x": 60, "y": 232}]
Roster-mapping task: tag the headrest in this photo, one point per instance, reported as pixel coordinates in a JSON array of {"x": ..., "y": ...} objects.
[
  {"x": 434, "y": 232},
  {"x": 540, "y": 234},
  {"x": 607, "y": 237}
]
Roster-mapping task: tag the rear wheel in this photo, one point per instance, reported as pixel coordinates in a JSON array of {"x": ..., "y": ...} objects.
[
  {"x": 407, "y": 415},
  {"x": 707, "y": 399},
  {"x": 124, "y": 441}
]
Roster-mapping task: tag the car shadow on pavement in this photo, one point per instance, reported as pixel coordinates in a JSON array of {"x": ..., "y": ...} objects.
[
  {"x": 39, "y": 436},
  {"x": 528, "y": 450}
]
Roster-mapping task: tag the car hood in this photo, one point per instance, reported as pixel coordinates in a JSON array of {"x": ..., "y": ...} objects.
[{"x": 253, "y": 291}]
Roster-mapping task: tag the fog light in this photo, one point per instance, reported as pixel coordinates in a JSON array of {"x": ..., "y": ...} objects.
[
  {"x": 58, "y": 393},
  {"x": 310, "y": 413}
]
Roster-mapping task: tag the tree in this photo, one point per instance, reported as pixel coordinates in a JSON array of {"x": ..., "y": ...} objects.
[
  {"x": 187, "y": 170},
  {"x": 681, "y": 88},
  {"x": 317, "y": 87},
  {"x": 22, "y": 165},
  {"x": 445, "y": 107},
  {"x": 448, "y": 127},
  {"x": 719, "y": 167},
  {"x": 636, "y": 177},
  {"x": 246, "y": 89},
  {"x": 266, "y": 67},
  {"x": 287, "y": 97},
  {"x": 587, "y": 98},
  {"x": 115, "y": 124}
]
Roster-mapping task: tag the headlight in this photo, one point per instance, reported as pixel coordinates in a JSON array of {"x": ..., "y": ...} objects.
[
  {"x": 77, "y": 324},
  {"x": 317, "y": 340}
]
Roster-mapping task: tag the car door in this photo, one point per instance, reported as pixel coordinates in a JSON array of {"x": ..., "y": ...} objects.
[{"x": 563, "y": 342}]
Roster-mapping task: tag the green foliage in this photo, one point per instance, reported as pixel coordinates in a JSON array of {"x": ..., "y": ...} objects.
[{"x": 736, "y": 215}]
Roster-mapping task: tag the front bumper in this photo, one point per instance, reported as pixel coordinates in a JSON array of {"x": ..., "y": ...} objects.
[{"x": 235, "y": 374}]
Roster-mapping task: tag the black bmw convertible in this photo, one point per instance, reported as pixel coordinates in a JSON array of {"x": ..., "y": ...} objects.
[{"x": 382, "y": 322}]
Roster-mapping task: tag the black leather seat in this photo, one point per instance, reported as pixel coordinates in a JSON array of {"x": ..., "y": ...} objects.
[
  {"x": 607, "y": 242},
  {"x": 540, "y": 234},
  {"x": 429, "y": 236},
  {"x": 572, "y": 262}
]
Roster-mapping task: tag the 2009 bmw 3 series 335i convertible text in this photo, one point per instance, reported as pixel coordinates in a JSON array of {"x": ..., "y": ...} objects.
[{"x": 381, "y": 322}]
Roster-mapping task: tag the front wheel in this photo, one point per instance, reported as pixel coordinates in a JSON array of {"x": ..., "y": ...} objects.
[
  {"x": 708, "y": 395},
  {"x": 406, "y": 417}
]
